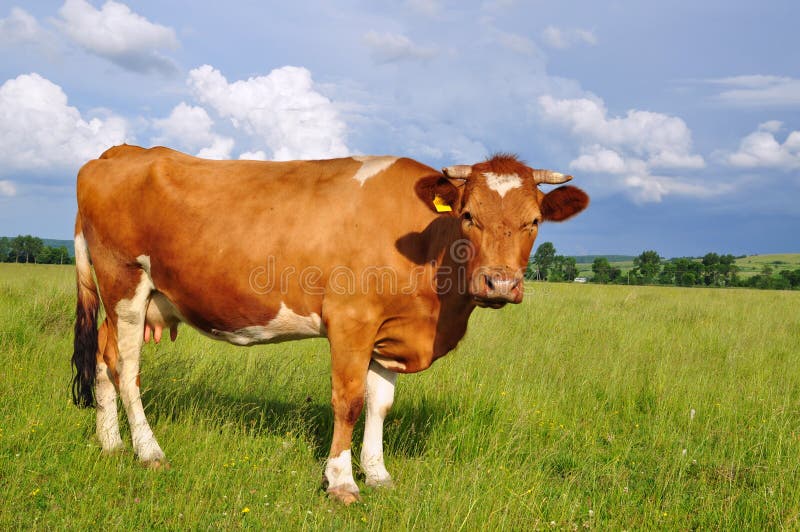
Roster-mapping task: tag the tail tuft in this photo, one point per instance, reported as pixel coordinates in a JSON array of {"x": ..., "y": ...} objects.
[{"x": 84, "y": 357}]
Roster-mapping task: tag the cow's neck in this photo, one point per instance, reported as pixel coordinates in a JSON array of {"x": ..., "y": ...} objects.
[{"x": 456, "y": 304}]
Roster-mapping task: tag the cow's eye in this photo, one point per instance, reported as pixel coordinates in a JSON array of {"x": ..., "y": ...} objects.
[
  {"x": 467, "y": 216},
  {"x": 535, "y": 222}
]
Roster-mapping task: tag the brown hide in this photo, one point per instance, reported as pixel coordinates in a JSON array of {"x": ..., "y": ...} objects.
[{"x": 230, "y": 242}]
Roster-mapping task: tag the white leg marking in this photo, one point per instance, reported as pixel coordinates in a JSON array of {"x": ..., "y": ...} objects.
[
  {"x": 379, "y": 399},
  {"x": 130, "y": 324},
  {"x": 339, "y": 473},
  {"x": 107, "y": 423}
]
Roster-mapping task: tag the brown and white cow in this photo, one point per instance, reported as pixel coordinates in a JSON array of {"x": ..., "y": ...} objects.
[{"x": 384, "y": 256}]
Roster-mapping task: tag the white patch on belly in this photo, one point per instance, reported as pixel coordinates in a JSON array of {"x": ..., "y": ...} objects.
[
  {"x": 502, "y": 183},
  {"x": 286, "y": 325},
  {"x": 388, "y": 363},
  {"x": 371, "y": 166}
]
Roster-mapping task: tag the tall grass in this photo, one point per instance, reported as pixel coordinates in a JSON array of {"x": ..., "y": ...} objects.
[{"x": 599, "y": 406}]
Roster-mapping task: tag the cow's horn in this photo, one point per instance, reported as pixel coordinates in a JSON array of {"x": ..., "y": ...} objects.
[
  {"x": 458, "y": 171},
  {"x": 550, "y": 177}
]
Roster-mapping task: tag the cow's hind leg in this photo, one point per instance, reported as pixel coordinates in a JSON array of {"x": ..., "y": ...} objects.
[
  {"x": 106, "y": 391},
  {"x": 379, "y": 399},
  {"x": 129, "y": 314}
]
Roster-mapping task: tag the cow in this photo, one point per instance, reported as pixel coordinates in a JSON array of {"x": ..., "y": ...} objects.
[{"x": 383, "y": 256}]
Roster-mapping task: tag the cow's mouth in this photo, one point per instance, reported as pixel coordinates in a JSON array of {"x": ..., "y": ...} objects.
[{"x": 485, "y": 302}]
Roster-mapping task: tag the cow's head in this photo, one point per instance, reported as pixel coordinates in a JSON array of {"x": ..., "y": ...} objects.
[{"x": 500, "y": 207}]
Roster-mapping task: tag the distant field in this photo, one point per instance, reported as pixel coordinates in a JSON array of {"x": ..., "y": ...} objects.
[
  {"x": 606, "y": 407},
  {"x": 754, "y": 264},
  {"x": 748, "y": 266}
]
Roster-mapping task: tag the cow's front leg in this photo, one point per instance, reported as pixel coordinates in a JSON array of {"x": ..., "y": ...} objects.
[
  {"x": 379, "y": 396},
  {"x": 349, "y": 365}
]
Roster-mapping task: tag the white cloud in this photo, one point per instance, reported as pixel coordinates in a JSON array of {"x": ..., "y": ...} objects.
[
  {"x": 116, "y": 33},
  {"x": 652, "y": 188},
  {"x": 220, "y": 148},
  {"x": 257, "y": 155},
  {"x": 392, "y": 47},
  {"x": 7, "y": 188},
  {"x": 761, "y": 149},
  {"x": 598, "y": 159},
  {"x": 19, "y": 27},
  {"x": 630, "y": 148},
  {"x": 281, "y": 109},
  {"x": 562, "y": 39},
  {"x": 38, "y": 130},
  {"x": 663, "y": 140},
  {"x": 759, "y": 90},
  {"x": 190, "y": 128}
]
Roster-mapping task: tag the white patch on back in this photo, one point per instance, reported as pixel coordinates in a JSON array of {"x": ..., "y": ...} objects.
[
  {"x": 502, "y": 183},
  {"x": 371, "y": 166},
  {"x": 286, "y": 325}
]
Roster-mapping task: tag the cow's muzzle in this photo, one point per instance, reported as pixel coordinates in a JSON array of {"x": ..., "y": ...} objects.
[{"x": 494, "y": 287}]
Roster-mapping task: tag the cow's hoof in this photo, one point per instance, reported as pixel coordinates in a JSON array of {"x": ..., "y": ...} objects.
[
  {"x": 344, "y": 495},
  {"x": 380, "y": 483},
  {"x": 159, "y": 464}
]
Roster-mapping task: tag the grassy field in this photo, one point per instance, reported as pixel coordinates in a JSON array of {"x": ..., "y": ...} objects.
[{"x": 607, "y": 407}]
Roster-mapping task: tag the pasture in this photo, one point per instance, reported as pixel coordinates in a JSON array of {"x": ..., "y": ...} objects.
[{"x": 606, "y": 407}]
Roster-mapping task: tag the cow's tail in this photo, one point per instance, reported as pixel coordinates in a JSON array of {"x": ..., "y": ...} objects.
[{"x": 84, "y": 358}]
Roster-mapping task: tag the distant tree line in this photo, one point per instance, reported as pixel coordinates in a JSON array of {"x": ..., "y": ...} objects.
[
  {"x": 27, "y": 248},
  {"x": 713, "y": 270},
  {"x": 547, "y": 266}
]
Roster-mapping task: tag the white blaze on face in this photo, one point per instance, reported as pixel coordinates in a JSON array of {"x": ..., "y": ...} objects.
[
  {"x": 502, "y": 183},
  {"x": 371, "y": 166}
]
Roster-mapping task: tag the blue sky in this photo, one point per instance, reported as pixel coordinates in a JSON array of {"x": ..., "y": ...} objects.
[{"x": 681, "y": 119}]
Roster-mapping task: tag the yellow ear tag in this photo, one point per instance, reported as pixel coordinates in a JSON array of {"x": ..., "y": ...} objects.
[{"x": 440, "y": 205}]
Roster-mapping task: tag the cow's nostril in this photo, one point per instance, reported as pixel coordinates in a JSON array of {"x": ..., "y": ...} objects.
[
  {"x": 489, "y": 283},
  {"x": 515, "y": 283}
]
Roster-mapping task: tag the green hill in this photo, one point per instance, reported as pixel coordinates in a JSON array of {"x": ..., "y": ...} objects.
[{"x": 754, "y": 264}]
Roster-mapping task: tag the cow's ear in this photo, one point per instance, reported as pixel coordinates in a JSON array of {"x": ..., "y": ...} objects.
[
  {"x": 563, "y": 202},
  {"x": 440, "y": 194}
]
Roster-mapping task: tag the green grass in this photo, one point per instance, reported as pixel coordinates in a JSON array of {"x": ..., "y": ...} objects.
[{"x": 573, "y": 408}]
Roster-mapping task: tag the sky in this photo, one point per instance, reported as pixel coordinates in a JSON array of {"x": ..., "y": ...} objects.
[{"x": 681, "y": 119}]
